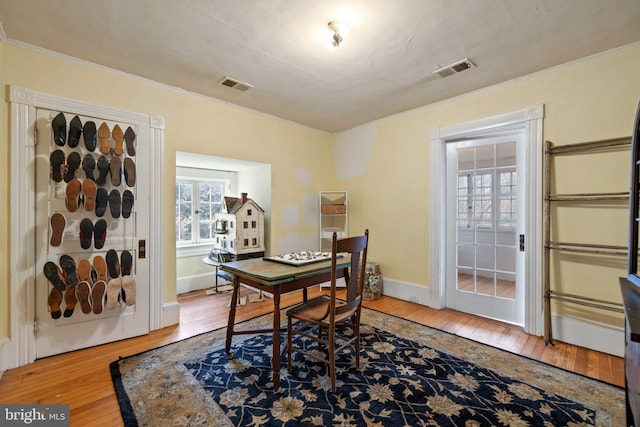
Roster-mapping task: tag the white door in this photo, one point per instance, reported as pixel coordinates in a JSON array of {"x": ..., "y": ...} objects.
[
  {"x": 485, "y": 178},
  {"x": 109, "y": 229}
]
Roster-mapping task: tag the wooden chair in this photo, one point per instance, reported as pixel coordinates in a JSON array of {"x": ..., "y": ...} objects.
[{"x": 326, "y": 313}]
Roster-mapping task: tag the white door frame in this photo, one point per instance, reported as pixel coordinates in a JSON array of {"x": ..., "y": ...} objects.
[
  {"x": 20, "y": 349},
  {"x": 531, "y": 120}
]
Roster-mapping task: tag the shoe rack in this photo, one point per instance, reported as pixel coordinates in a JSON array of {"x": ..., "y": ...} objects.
[{"x": 91, "y": 242}]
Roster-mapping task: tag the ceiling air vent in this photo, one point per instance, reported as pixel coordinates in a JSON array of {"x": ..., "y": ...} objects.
[
  {"x": 454, "y": 68},
  {"x": 235, "y": 84}
]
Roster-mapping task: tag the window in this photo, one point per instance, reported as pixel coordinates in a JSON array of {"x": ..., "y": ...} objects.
[
  {"x": 196, "y": 203},
  {"x": 479, "y": 192}
]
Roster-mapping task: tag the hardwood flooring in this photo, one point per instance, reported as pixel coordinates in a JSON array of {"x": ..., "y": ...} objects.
[{"x": 82, "y": 378}]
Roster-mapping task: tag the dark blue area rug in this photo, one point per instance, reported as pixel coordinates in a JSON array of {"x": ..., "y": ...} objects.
[{"x": 410, "y": 375}]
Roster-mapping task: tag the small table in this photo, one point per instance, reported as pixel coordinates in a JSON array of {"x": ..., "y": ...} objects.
[
  {"x": 275, "y": 278},
  {"x": 217, "y": 264}
]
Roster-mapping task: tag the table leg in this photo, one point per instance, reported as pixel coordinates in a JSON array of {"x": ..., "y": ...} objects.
[
  {"x": 275, "y": 358},
  {"x": 232, "y": 314}
]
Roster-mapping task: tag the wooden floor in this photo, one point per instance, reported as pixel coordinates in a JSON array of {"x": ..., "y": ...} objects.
[{"x": 82, "y": 379}]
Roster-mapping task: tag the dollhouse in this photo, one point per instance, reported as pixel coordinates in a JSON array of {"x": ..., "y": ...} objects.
[{"x": 239, "y": 228}]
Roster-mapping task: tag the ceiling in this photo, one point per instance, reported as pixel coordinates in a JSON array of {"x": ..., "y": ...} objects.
[{"x": 382, "y": 68}]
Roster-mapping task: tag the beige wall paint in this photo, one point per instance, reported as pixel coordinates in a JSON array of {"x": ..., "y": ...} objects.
[
  {"x": 194, "y": 124},
  {"x": 388, "y": 186}
]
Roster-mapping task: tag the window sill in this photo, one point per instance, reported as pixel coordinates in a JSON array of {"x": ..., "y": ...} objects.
[{"x": 193, "y": 250}]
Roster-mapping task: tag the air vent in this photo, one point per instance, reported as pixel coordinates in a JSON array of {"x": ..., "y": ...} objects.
[
  {"x": 235, "y": 84},
  {"x": 454, "y": 68}
]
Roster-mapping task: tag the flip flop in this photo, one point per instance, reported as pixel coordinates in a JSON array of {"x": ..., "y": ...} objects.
[
  {"x": 113, "y": 264},
  {"x": 114, "y": 203},
  {"x": 118, "y": 136},
  {"x": 100, "y": 267},
  {"x": 89, "y": 190},
  {"x": 100, "y": 233},
  {"x": 59, "y": 127},
  {"x": 89, "y": 166},
  {"x": 75, "y": 130},
  {"x": 103, "y": 170},
  {"x": 70, "y": 299},
  {"x": 103, "y": 136},
  {"x": 55, "y": 276},
  {"x": 68, "y": 266},
  {"x": 102, "y": 197},
  {"x": 73, "y": 163},
  {"x": 90, "y": 137},
  {"x": 83, "y": 291},
  {"x": 126, "y": 262},
  {"x": 115, "y": 166},
  {"x": 54, "y": 300},
  {"x": 97, "y": 296},
  {"x": 57, "y": 159},
  {"x": 86, "y": 233},
  {"x": 129, "y": 139},
  {"x": 129, "y": 172},
  {"x": 127, "y": 203},
  {"x": 58, "y": 224},
  {"x": 129, "y": 290},
  {"x": 73, "y": 190},
  {"x": 113, "y": 292}
]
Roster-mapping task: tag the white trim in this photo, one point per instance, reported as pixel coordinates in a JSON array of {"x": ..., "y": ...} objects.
[
  {"x": 531, "y": 119},
  {"x": 20, "y": 349},
  {"x": 597, "y": 336},
  {"x": 189, "y": 251},
  {"x": 198, "y": 282},
  {"x": 170, "y": 314}
]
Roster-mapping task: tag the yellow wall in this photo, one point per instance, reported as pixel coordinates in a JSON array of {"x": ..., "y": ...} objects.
[
  {"x": 193, "y": 124},
  {"x": 585, "y": 101},
  {"x": 389, "y": 186}
]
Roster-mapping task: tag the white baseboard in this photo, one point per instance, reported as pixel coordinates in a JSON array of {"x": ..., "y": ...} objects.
[
  {"x": 170, "y": 314},
  {"x": 571, "y": 330},
  {"x": 4, "y": 353},
  {"x": 589, "y": 334},
  {"x": 197, "y": 283}
]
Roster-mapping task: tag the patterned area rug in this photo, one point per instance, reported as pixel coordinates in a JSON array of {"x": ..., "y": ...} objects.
[{"x": 410, "y": 375}]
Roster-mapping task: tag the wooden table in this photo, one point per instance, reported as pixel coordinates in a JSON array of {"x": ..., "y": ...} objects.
[{"x": 277, "y": 279}]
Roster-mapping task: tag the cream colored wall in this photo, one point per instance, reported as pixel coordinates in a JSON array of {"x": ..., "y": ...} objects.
[
  {"x": 389, "y": 192},
  {"x": 193, "y": 124}
]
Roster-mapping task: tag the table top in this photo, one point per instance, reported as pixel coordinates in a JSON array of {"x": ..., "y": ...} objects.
[
  {"x": 210, "y": 261},
  {"x": 275, "y": 273}
]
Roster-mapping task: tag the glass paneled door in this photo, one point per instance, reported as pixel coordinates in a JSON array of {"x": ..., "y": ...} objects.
[{"x": 484, "y": 227}]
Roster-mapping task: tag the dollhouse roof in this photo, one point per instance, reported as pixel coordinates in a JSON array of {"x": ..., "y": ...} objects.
[{"x": 234, "y": 204}]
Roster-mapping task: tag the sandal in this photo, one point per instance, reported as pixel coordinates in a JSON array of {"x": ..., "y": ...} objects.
[
  {"x": 70, "y": 299},
  {"x": 129, "y": 139},
  {"x": 89, "y": 191},
  {"x": 90, "y": 137},
  {"x": 100, "y": 267},
  {"x": 54, "y": 300},
  {"x": 126, "y": 261},
  {"x": 115, "y": 203},
  {"x": 89, "y": 166},
  {"x": 57, "y": 160},
  {"x": 68, "y": 266},
  {"x": 113, "y": 265},
  {"x": 55, "y": 276},
  {"x": 102, "y": 197},
  {"x": 73, "y": 163},
  {"x": 75, "y": 130},
  {"x": 100, "y": 233},
  {"x": 103, "y": 170},
  {"x": 86, "y": 232},
  {"x": 129, "y": 172},
  {"x": 59, "y": 127},
  {"x": 83, "y": 290},
  {"x": 118, "y": 136},
  {"x": 115, "y": 167},
  {"x": 129, "y": 290},
  {"x": 97, "y": 296},
  {"x": 73, "y": 190},
  {"x": 58, "y": 224},
  {"x": 127, "y": 203},
  {"x": 103, "y": 136},
  {"x": 114, "y": 287}
]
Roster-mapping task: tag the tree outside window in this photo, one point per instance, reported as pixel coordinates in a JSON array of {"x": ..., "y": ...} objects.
[{"x": 197, "y": 213}]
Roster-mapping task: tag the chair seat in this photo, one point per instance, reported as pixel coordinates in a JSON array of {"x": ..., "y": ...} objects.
[{"x": 316, "y": 309}]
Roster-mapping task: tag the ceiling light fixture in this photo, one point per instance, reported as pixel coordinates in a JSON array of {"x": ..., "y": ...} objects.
[{"x": 339, "y": 31}]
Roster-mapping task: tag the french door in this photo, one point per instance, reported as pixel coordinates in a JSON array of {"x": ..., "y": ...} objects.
[{"x": 484, "y": 226}]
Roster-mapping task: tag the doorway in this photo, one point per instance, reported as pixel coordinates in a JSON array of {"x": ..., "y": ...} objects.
[
  {"x": 484, "y": 203},
  {"x": 528, "y": 121}
]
